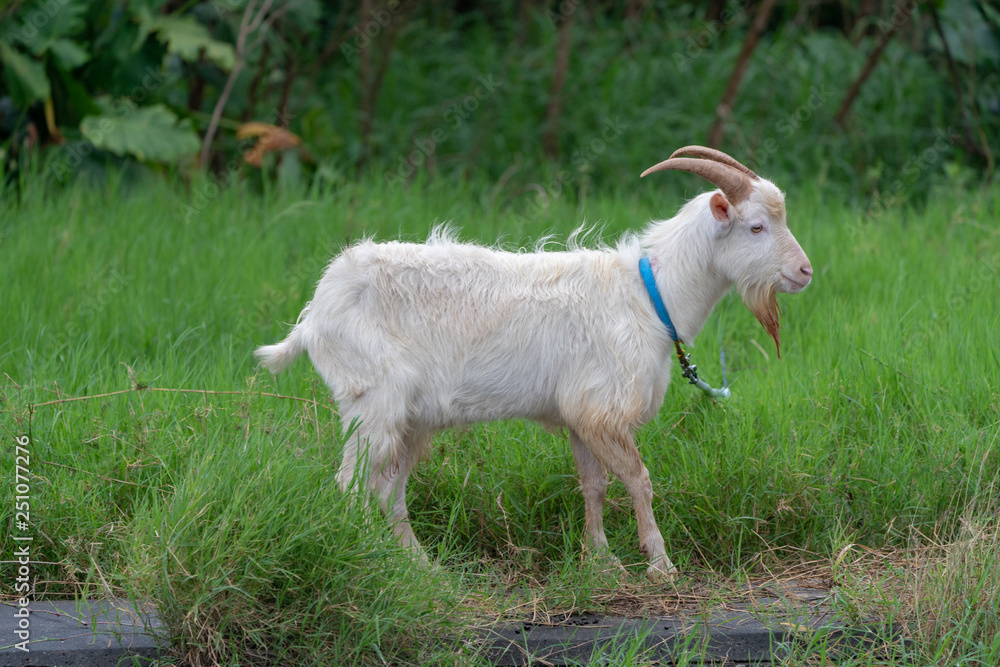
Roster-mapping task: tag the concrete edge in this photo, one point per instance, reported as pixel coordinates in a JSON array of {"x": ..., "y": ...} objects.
[
  {"x": 84, "y": 633},
  {"x": 95, "y": 633},
  {"x": 735, "y": 637}
]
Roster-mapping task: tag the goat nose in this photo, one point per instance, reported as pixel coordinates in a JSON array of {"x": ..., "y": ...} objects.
[{"x": 807, "y": 270}]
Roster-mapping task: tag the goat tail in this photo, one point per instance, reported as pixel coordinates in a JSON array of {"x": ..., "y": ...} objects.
[{"x": 276, "y": 358}]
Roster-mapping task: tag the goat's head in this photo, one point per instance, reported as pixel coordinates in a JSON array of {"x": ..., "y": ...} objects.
[{"x": 754, "y": 248}]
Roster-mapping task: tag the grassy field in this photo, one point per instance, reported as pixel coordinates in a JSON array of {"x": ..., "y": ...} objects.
[{"x": 866, "y": 457}]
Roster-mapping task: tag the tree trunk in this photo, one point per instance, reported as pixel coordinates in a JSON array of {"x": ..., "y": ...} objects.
[
  {"x": 635, "y": 8},
  {"x": 887, "y": 34},
  {"x": 550, "y": 139},
  {"x": 196, "y": 88},
  {"x": 371, "y": 84},
  {"x": 366, "y": 103},
  {"x": 265, "y": 53},
  {"x": 253, "y": 19},
  {"x": 742, "y": 62},
  {"x": 714, "y": 11},
  {"x": 983, "y": 147},
  {"x": 861, "y": 25}
]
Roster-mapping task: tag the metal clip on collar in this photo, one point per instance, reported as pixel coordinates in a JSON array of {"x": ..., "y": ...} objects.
[{"x": 690, "y": 371}]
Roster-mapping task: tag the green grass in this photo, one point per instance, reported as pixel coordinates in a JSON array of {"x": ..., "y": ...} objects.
[{"x": 879, "y": 427}]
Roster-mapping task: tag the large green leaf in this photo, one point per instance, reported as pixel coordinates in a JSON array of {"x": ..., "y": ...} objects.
[
  {"x": 305, "y": 14},
  {"x": 148, "y": 133},
  {"x": 970, "y": 38},
  {"x": 26, "y": 76},
  {"x": 52, "y": 36},
  {"x": 68, "y": 54},
  {"x": 186, "y": 38},
  {"x": 71, "y": 98}
]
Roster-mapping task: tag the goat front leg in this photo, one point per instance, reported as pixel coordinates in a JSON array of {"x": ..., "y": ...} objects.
[{"x": 616, "y": 449}]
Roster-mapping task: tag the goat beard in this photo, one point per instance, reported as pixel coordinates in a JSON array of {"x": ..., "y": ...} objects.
[{"x": 762, "y": 300}]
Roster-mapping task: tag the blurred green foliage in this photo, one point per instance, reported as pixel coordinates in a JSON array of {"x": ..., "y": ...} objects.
[{"x": 420, "y": 90}]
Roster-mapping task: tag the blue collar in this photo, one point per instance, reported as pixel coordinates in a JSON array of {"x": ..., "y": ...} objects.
[{"x": 654, "y": 294}]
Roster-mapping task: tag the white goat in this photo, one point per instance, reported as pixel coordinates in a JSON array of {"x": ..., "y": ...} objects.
[{"x": 415, "y": 338}]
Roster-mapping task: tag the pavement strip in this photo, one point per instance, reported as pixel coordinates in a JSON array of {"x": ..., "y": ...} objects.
[
  {"x": 737, "y": 635},
  {"x": 67, "y": 633}
]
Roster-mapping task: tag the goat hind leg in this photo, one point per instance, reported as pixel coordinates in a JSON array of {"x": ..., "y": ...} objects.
[
  {"x": 390, "y": 486},
  {"x": 379, "y": 458}
]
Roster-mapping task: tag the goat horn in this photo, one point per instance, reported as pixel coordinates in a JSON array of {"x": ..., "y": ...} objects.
[
  {"x": 712, "y": 154},
  {"x": 734, "y": 183}
]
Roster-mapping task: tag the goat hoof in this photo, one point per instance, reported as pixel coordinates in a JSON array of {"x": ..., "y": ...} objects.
[
  {"x": 605, "y": 561},
  {"x": 662, "y": 572},
  {"x": 418, "y": 555}
]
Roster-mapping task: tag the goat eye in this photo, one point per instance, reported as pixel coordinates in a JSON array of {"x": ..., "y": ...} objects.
[{"x": 757, "y": 229}]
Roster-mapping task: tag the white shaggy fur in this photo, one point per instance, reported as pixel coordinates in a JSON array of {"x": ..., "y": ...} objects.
[{"x": 414, "y": 338}]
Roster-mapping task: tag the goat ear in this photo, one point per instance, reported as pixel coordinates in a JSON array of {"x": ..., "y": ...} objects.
[{"x": 720, "y": 207}]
